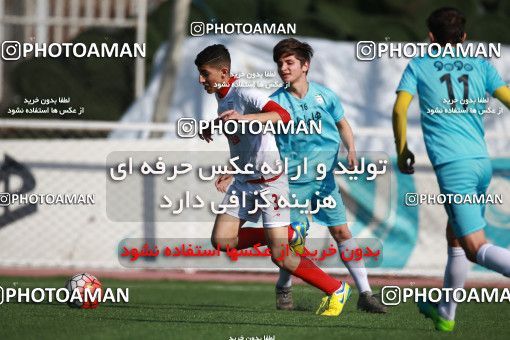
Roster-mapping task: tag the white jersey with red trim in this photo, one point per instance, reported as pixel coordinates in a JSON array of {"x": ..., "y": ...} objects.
[{"x": 255, "y": 149}]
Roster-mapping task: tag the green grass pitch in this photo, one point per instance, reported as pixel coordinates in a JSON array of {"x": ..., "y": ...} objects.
[{"x": 216, "y": 310}]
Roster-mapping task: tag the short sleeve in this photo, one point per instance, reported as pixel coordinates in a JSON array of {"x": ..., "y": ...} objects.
[
  {"x": 336, "y": 109},
  {"x": 408, "y": 82},
  {"x": 256, "y": 99},
  {"x": 493, "y": 80}
]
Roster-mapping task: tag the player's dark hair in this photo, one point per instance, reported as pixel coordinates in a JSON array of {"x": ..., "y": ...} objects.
[
  {"x": 215, "y": 55},
  {"x": 447, "y": 25},
  {"x": 287, "y": 47}
]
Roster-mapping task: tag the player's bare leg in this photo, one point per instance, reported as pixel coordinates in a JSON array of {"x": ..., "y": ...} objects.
[
  {"x": 226, "y": 230},
  {"x": 278, "y": 243},
  {"x": 478, "y": 250},
  {"x": 472, "y": 243},
  {"x": 366, "y": 302}
]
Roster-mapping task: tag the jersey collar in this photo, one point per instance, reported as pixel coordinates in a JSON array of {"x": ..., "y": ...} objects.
[{"x": 222, "y": 92}]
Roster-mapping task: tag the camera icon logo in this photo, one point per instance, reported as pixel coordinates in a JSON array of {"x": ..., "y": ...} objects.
[
  {"x": 411, "y": 199},
  {"x": 5, "y": 199},
  {"x": 197, "y": 29},
  {"x": 365, "y": 50},
  {"x": 391, "y": 295},
  {"x": 11, "y": 50},
  {"x": 186, "y": 128}
]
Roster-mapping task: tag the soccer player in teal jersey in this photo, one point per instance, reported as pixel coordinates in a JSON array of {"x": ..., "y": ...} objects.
[
  {"x": 306, "y": 101},
  {"x": 448, "y": 89}
]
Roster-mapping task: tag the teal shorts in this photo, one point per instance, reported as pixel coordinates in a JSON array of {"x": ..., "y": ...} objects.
[
  {"x": 465, "y": 177},
  {"x": 318, "y": 190}
]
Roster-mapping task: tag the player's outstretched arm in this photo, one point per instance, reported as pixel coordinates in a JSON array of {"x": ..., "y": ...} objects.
[
  {"x": 405, "y": 157},
  {"x": 503, "y": 95},
  {"x": 347, "y": 136}
]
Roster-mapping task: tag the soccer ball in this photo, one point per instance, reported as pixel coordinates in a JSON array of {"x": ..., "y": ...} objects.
[{"x": 82, "y": 282}]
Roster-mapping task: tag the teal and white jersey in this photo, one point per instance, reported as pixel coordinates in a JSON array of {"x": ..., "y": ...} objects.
[
  {"x": 452, "y": 94},
  {"x": 319, "y": 104}
]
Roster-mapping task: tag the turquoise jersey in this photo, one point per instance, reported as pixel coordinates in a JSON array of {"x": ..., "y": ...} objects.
[
  {"x": 319, "y": 104},
  {"x": 452, "y": 92}
]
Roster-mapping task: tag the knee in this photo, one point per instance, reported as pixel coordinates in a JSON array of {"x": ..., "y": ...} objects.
[
  {"x": 471, "y": 251},
  {"x": 214, "y": 242},
  {"x": 471, "y": 244},
  {"x": 278, "y": 262},
  {"x": 471, "y": 255},
  {"x": 223, "y": 243},
  {"x": 340, "y": 233},
  {"x": 289, "y": 263},
  {"x": 285, "y": 262}
]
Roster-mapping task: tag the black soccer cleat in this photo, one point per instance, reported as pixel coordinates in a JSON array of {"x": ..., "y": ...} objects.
[
  {"x": 284, "y": 298},
  {"x": 367, "y": 302}
]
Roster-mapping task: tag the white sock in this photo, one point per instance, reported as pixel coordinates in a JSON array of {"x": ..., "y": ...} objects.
[
  {"x": 284, "y": 280},
  {"x": 495, "y": 258},
  {"x": 356, "y": 269},
  {"x": 455, "y": 275}
]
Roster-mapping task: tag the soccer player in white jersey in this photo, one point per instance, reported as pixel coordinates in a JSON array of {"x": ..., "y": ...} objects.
[{"x": 241, "y": 104}]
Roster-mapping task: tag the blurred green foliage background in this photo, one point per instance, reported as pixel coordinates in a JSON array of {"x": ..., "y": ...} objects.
[{"x": 105, "y": 86}]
